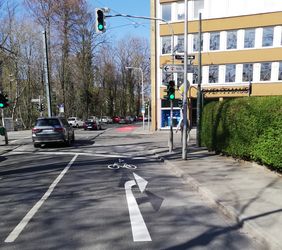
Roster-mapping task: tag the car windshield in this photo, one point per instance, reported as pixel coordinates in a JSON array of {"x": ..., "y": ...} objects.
[
  {"x": 71, "y": 119},
  {"x": 48, "y": 122}
]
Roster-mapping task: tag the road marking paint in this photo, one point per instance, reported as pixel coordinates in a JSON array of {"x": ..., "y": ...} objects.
[
  {"x": 20, "y": 227},
  {"x": 85, "y": 154},
  {"x": 141, "y": 182},
  {"x": 139, "y": 229}
]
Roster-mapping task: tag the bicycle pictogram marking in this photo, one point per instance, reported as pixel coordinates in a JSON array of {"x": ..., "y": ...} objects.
[{"x": 121, "y": 164}]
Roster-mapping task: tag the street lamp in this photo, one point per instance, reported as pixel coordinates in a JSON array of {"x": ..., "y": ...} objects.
[{"x": 143, "y": 106}]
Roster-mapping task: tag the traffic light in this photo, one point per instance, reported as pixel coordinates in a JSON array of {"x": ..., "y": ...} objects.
[
  {"x": 171, "y": 90},
  {"x": 42, "y": 107},
  {"x": 4, "y": 101},
  {"x": 100, "y": 26}
]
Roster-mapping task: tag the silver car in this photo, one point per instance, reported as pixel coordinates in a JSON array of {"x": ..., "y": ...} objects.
[{"x": 52, "y": 129}]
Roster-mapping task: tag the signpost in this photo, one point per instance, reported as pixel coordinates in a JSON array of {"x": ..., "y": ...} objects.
[{"x": 173, "y": 68}]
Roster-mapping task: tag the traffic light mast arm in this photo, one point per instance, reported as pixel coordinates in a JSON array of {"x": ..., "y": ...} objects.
[{"x": 150, "y": 18}]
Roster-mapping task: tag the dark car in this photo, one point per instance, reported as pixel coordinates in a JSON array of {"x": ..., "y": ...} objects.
[
  {"x": 91, "y": 125},
  {"x": 52, "y": 129}
]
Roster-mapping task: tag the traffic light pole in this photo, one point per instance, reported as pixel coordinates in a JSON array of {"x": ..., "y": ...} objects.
[
  {"x": 186, "y": 86},
  {"x": 3, "y": 123},
  {"x": 46, "y": 73}
]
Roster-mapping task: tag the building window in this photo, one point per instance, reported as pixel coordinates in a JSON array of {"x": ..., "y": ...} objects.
[
  {"x": 180, "y": 11},
  {"x": 198, "y": 6},
  {"x": 196, "y": 75},
  {"x": 214, "y": 40},
  {"x": 196, "y": 43},
  {"x": 247, "y": 72},
  {"x": 267, "y": 37},
  {"x": 230, "y": 73},
  {"x": 166, "y": 44},
  {"x": 231, "y": 39},
  {"x": 165, "y": 116},
  {"x": 280, "y": 71},
  {"x": 166, "y": 12},
  {"x": 249, "y": 41},
  {"x": 265, "y": 71},
  {"x": 180, "y": 44},
  {"x": 213, "y": 73}
]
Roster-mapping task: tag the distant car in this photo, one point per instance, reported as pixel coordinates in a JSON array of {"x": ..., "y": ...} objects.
[
  {"x": 106, "y": 119},
  {"x": 140, "y": 118},
  {"x": 92, "y": 125},
  {"x": 75, "y": 122},
  {"x": 96, "y": 120},
  {"x": 122, "y": 120},
  {"x": 116, "y": 119},
  {"x": 128, "y": 119},
  {"x": 52, "y": 129}
]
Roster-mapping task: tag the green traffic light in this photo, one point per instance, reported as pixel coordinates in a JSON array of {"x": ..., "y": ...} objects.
[
  {"x": 171, "y": 96},
  {"x": 1, "y": 105},
  {"x": 100, "y": 26}
]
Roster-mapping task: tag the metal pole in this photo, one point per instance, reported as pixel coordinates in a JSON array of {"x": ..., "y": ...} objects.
[
  {"x": 5, "y": 130},
  {"x": 149, "y": 115},
  {"x": 143, "y": 107},
  {"x": 46, "y": 73},
  {"x": 199, "y": 92},
  {"x": 170, "y": 141},
  {"x": 186, "y": 85}
]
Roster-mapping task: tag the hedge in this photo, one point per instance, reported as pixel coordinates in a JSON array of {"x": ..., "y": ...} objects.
[{"x": 248, "y": 128}]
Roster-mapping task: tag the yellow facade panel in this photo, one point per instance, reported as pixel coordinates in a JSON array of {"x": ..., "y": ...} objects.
[
  {"x": 267, "y": 89},
  {"x": 227, "y": 23}
]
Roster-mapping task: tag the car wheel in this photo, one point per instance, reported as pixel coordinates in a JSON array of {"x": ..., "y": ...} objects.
[{"x": 36, "y": 145}]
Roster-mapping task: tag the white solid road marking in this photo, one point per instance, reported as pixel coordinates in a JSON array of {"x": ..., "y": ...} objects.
[
  {"x": 138, "y": 226},
  {"x": 20, "y": 227}
]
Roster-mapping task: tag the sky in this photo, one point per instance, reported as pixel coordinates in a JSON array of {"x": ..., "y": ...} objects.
[{"x": 122, "y": 27}]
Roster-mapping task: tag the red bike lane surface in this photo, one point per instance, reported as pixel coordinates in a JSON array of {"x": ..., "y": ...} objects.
[{"x": 126, "y": 129}]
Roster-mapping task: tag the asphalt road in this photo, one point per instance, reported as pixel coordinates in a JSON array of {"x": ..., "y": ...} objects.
[{"x": 58, "y": 197}]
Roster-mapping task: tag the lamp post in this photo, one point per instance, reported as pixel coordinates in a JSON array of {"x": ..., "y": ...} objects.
[{"x": 142, "y": 92}]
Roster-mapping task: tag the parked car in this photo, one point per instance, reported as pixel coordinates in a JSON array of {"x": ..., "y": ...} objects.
[
  {"x": 92, "y": 125},
  {"x": 140, "y": 118},
  {"x": 75, "y": 122},
  {"x": 129, "y": 119},
  {"x": 52, "y": 129},
  {"x": 116, "y": 119},
  {"x": 96, "y": 120},
  {"x": 122, "y": 120},
  {"x": 106, "y": 119}
]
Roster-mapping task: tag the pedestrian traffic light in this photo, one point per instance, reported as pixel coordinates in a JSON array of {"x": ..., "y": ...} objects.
[
  {"x": 171, "y": 90},
  {"x": 4, "y": 101},
  {"x": 100, "y": 26}
]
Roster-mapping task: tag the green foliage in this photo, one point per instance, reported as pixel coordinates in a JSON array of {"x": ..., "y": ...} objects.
[{"x": 247, "y": 128}]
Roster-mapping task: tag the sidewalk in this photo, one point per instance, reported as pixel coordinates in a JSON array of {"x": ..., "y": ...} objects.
[
  {"x": 249, "y": 194},
  {"x": 13, "y": 140}
]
